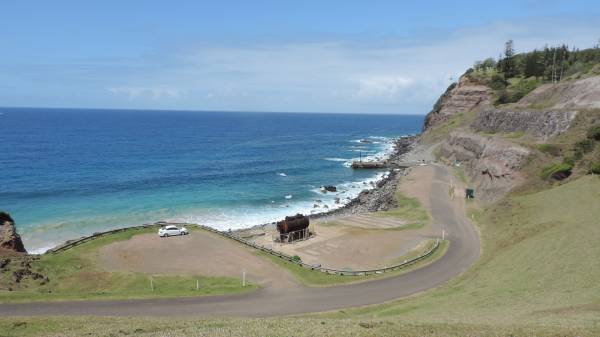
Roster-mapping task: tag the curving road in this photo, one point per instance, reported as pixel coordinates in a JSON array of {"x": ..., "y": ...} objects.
[{"x": 462, "y": 252}]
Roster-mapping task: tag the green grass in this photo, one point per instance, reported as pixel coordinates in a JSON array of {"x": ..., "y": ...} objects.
[
  {"x": 238, "y": 327},
  {"x": 409, "y": 210},
  {"x": 551, "y": 149},
  {"x": 75, "y": 274},
  {"x": 315, "y": 278},
  {"x": 556, "y": 168},
  {"x": 539, "y": 268}
]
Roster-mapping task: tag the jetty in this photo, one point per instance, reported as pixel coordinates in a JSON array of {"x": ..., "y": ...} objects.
[
  {"x": 383, "y": 164},
  {"x": 369, "y": 164}
]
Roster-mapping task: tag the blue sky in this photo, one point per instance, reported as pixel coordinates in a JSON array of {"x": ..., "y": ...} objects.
[{"x": 318, "y": 56}]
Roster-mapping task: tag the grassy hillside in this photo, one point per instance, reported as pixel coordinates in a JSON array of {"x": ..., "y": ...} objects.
[
  {"x": 540, "y": 266},
  {"x": 283, "y": 327}
]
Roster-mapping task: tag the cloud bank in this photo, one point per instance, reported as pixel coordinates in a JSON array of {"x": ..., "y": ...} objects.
[{"x": 384, "y": 74}]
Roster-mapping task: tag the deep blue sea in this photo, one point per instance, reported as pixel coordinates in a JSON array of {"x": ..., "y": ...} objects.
[{"x": 72, "y": 172}]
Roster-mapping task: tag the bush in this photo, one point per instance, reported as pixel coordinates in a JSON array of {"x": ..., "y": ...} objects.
[
  {"x": 595, "y": 169},
  {"x": 296, "y": 258},
  {"x": 497, "y": 82},
  {"x": 557, "y": 171},
  {"x": 594, "y": 132},
  {"x": 585, "y": 146},
  {"x": 570, "y": 161},
  {"x": 503, "y": 97}
]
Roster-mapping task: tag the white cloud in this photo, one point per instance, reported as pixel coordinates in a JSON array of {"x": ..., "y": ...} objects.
[
  {"x": 153, "y": 93},
  {"x": 345, "y": 75},
  {"x": 383, "y": 86}
]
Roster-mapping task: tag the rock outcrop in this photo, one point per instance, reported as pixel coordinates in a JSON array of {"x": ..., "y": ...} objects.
[
  {"x": 543, "y": 124},
  {"x": 579, "y": 94},
  {"x": 493, "y": 165},
  {"x": 458, "y": 98},
  {"x": 9, "y": 238}
]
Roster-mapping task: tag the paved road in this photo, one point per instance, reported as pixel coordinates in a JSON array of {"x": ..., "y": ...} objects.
[{"x": 462, "y": 252}]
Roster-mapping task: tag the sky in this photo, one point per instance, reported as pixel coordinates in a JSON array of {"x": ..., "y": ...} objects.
[{"x": 293, "y": 56}]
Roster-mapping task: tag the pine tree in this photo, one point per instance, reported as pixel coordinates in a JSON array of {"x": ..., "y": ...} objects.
[{"x": 508, "y": 63}]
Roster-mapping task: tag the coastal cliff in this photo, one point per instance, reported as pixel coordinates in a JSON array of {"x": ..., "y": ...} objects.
[
  {"x": 10, "y": 240},
  {"x": 499, "y": 145},
  {"x": 460, "y": 97}
]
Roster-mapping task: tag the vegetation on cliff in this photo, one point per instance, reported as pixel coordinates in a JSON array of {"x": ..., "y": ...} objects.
[{"x": 515, "y": 75}]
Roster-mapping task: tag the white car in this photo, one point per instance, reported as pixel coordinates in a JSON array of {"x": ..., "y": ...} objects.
[{"x": 172, "y": 230}]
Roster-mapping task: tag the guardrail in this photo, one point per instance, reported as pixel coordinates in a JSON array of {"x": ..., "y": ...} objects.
[
  {"x": 230, "y": 235},
  {"x": 319, "y": 268}
]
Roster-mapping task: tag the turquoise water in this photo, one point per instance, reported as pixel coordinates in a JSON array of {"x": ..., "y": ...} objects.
[{"x": 68, "y": 172}]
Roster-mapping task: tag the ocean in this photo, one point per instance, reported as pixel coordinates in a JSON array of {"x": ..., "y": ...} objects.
[{"x": 72, "y": 172}]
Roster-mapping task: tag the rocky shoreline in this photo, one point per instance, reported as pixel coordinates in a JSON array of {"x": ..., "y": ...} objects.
[{"x": 379, "y": 198}]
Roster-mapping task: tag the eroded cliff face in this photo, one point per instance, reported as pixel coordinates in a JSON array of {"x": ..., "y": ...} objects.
[
  {"x": 579, "y": 94},
  {"x": 458, "y": 98},
  {"x": 492, "y": 161},
  {"x": 542, "y": 124},
  {"x": 10, "y": 241},
  {"x": 492, "y": 165}
]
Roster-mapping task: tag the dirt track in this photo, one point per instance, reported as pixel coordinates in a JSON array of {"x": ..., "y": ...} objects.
[{"x": 462, "y": 252}]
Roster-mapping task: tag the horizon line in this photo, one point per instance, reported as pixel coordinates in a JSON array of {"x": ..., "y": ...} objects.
[{"x": 215, "y": 111}]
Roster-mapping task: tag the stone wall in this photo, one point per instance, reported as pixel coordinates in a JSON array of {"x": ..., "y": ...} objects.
[{"x": 542, "y": 124}]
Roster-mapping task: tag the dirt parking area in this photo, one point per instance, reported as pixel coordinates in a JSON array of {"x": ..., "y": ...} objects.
[
  {"x": 361, "y": 241},
  {"x": 199, "y": 253}
]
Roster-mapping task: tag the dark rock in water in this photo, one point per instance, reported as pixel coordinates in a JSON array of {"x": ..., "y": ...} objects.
[
  {"x": 365, "y": 141},
  {"x": 329, "y": 188},
  {"x": 9, "y": 238}
]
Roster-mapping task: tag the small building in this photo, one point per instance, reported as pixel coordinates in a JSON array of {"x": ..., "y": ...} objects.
[{"x": 470, "y": 193}]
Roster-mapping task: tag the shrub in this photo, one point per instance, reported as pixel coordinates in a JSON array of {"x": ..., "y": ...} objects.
[
  {"x": 526, "y": 86},
  {"x": 550, "y": 149},
  {"x": 503, "y": 97},
  {"x": 557, "y": 171},
  {"x": 595, "y": 169},
  {"x": 497, "y": 82},
  {"x": 585, "y": 146},
  {"x": 570, "y": 161},
  {"x": 296, "y": 258},
  {"x": 594, "y": 132}
]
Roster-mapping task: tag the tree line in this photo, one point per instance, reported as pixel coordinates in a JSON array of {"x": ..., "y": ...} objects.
[{"x": 552, "y": 63}]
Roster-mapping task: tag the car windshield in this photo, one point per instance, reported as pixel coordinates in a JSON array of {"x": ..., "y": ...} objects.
[{"x": 171, "y": 227}]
